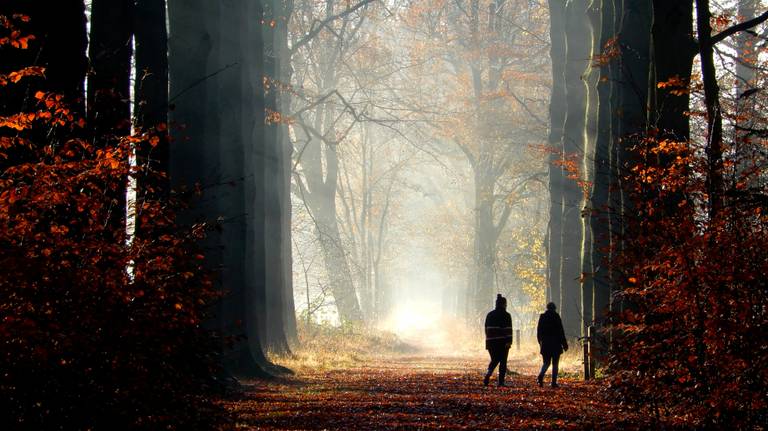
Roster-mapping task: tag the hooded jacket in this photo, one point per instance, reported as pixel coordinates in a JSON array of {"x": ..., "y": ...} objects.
[
  {"x": 498, "y": 329},
  {"x": 550, "y": 333}
]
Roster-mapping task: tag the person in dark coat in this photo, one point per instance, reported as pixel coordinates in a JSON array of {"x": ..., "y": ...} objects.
[
  {"x": 552, "y": 341},
  {"x": 498, "y": 339}
]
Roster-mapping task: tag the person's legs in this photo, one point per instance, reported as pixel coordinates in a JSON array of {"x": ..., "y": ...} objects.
[
  {"x": 492, "y": 365},
  {"x": 503, "y": 365},
  {"x": 555, "y": 363},
  {"x": 546, "y": 358}
]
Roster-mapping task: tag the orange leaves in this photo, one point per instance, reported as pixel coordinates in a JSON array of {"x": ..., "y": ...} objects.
[
  {"x": 17, "y": 40},
  {"x": 72, "y": 289},
  {"x": 675, "y": 86},
  {"x": 15, "y": 77},
  {"x": 423, "y": 392}
]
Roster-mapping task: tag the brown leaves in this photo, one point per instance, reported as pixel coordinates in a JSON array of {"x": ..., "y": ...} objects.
[{"x": 407, "y": 392}]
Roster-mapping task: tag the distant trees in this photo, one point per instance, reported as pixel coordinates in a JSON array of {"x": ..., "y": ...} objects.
[
  {"x": 490, "y": 112},
  {"x": 351, "y": 138}
]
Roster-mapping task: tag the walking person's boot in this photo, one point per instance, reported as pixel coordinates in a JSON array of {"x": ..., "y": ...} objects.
[
  {"x": 487, "y": 379},
  {"x": 540, "y": 380},
  {"x": 502, "y": 374}
]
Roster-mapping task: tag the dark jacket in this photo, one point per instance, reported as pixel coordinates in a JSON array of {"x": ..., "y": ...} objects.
[
  {"x": 550, "y": 334},
  {"x": 498, "y": 329}
]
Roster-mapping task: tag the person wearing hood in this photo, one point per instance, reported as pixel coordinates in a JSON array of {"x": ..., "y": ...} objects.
[
  {"x": 552, "y": 342},
  {"x": 498, "y": 339}
]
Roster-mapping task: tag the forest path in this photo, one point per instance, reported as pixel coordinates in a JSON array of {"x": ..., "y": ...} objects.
[{"x": 426, "y": 392}]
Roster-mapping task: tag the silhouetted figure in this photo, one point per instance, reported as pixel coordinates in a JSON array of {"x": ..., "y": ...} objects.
[
  {"x": 552, "y": 341},
  {"x": 498, "y": 339}
]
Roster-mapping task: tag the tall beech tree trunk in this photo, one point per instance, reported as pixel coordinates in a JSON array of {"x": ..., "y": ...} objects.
[
  {"x": 275, "y": 339},
  {"x": 109, "y": 83},
  {"x": 591, "y": 79},
  {"x": 673, "y": 51},
  {"x": 216, "y": 80},
  {"x": 578, "y": 42},
  {"x": 110, "y": 53},
  {"x": 284, "y": 13},
  {"x": 556, "y": 176},
  {"x": 600, "y": 206},
  {"x": 634, "y": 39},
  {"x": 151, "y": 92}
]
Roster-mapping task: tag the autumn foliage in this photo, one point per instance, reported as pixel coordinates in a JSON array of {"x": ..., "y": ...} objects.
[
  {"x": 97, "y": 330},
  {"x": 692, "y": 315}
]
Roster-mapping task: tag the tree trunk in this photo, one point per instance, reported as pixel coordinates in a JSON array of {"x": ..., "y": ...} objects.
[
  {"x": 673, "y": 52},
  {"x": 714, "y": 149},
  {"x": 588, "y": 265},
  {"x": 151, "y": 93},
  {"x": 109, "y": 82},
  {"x": 485, "y": 240},
  {"x": 216, "y": 69},
  {"x": 110, "y": 54},
  {"x": 557, "y": 123},
  {"x": 275, "y": 339},
  {"x": 578, "y": 56},
  {"x": 599, "y": 199},
  {"x": 634, "y": 39}
]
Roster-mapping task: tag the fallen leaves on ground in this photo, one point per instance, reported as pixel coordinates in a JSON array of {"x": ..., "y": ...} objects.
[{"x": 420, "y": 392}]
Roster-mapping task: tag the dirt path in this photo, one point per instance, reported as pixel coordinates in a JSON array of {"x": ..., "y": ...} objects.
[{"x": 420, "y": 392}]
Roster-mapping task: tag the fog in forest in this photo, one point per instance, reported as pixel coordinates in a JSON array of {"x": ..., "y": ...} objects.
[{"x": 419, "y": 185}]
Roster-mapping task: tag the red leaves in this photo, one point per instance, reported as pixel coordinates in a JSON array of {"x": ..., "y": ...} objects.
[
  {"x": 694, "y": 295},
  {"x": 88, "y": 322},
  {"x": 397, "y": 392}
]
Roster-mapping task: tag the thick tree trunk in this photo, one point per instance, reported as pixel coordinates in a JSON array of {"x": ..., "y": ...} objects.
[
  {"x": 557, "y": 123},
  {"x": 673, "y": 53},
  {"x": 588, "y": 266},
  {"x": 485, "y": 241},
  {"x": 109, "y": 82},
  {"x": 634, "y": 39},
  {"x": 575, "y": 146},
  {"x": 216, "y": 79},
  {"x": 599, "y": 200},
  {"x": 151, "y": 92},
  {"x": 110, "y": 54},
  {"x": 286, "y": 172},
  {"x": 275, "y": 339}
]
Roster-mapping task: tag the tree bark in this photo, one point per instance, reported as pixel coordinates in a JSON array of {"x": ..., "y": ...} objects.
[
  {"x": 110, "y": 53},
  {"x": 714, "y": 149},
  {"x": 578, "y": 56},
  {"x": 151, "y": 94},
  {"x": 109, "y": 82},
  {"x": 275, "y": 339},
  {"x": 557, "y": 124},
  {"x": 673, "y": 51},
  {"x": 600, "y": 206}
]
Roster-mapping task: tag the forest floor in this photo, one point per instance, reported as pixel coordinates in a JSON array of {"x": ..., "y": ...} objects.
[{"x": 423, "y": 391}]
